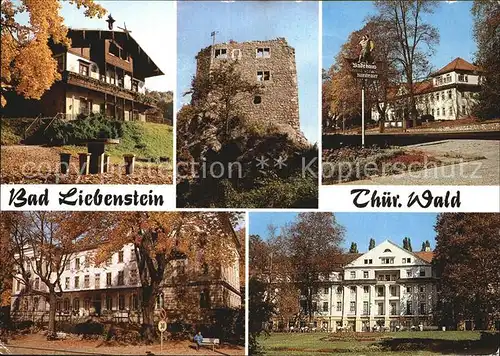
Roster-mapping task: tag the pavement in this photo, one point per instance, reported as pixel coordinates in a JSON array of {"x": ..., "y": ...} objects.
[{"x": 470, "y": 172}]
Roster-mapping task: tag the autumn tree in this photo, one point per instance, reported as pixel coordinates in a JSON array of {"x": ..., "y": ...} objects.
[
  {"x": 413, "y": 38},
  {"x": 486, "y": 16},
  {"x": 27, "y": 63},
  {"x": 40, "y": 249},
  {"x": 205, "y": 240},
  {"x": 354, "y": 248},
  {"x": 309, "y": 242},
  {"x": 466, "y": 264},
  {"x": 372, "y": 244},
  {"x": 164, "y": 100},
  {"x": 260, "y": 311}
]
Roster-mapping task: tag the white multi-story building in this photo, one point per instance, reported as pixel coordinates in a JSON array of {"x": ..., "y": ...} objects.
[
  {"x": 448, "y": 94},
  {"x": 113, "y": 289},
  {"x": 386, "y": 287}
]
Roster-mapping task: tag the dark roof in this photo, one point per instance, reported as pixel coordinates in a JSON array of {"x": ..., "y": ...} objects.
[
  {"x": 458, "y": 64},
  {"x": 149, "y": 68}
]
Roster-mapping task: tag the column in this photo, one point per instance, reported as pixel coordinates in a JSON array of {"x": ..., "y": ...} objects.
[
  {"x": 345, "y": 305},
  {"x": 372, "y": 305},
  {"x": 359, "y": 308},
  {"x": 387, "y": 306}
]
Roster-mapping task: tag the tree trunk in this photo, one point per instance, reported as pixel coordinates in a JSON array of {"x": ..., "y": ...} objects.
[
  {"x": 52, "y": 317},
  {"x": 148, "y": 307}
]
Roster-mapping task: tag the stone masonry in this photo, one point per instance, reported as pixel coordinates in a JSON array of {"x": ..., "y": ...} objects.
[{"x": 270, "y": 63}]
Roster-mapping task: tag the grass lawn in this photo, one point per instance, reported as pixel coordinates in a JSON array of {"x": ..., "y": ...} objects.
[
  {"x": 144, "y": 139},
  {"x": 398, "y": 343}
]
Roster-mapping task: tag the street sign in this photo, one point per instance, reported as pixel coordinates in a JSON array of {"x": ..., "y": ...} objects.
[
  {"x": 162, "y": 325},
  {"x": 163, "y": 314}
]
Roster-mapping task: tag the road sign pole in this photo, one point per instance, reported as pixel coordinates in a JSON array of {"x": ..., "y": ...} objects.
[
  {"x": 161, "y": 343},
  {"x": 363, "y": 114}
]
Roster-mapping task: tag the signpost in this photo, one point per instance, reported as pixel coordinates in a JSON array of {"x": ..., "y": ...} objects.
[
  {"x": 162, "y": 326},
  {"x": 364, "y": 71}
]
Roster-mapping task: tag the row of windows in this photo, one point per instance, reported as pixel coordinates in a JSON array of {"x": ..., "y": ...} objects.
[
  {"x": 380, "y": 290},
  {"x": 86, "y": 260},
  {"x": 380, "y": 307},
  {"x": 115, "y": 78},
  {"x": 133, "y": 279},
  {"x": 447, "y": 79},
  {"x": 261, "y": 52}
]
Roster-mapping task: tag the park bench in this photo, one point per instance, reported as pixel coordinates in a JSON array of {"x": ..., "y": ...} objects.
[{"x": 208, "y": 341}]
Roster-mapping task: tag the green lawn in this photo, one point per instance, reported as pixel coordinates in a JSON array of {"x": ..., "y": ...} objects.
[
  {"x": 378, "y": 344},
  {"x": 144, "y": 139}
]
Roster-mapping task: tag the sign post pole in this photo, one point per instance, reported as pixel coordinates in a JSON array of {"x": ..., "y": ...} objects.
[
  {"x": 363, "y": 114},
  {"x": 161, "y": 343},
  {"x": 162, "y": 326}
]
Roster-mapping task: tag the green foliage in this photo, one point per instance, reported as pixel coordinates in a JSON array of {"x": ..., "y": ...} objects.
[
  {"x": 354, "y": 248},
  {"x": 8, "y": 133},
  {"x": 372, "y": 244},
  {"x": 260, "y": 311},
  {"x": 95, "y": 126},
  {"x": 407, "y": 244}
]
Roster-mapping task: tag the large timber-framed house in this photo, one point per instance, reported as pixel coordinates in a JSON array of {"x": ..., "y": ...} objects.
[{"x": 103, "y": 71}]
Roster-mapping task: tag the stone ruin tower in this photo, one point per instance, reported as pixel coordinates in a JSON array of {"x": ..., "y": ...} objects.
[{"x": 269, "y": 63}]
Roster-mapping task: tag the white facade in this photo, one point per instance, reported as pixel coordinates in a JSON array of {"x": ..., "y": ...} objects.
[
  {"x": 114, "y": 288},
  {"x": 384, "y": 287},
  {"x": 446, "y": 96}
]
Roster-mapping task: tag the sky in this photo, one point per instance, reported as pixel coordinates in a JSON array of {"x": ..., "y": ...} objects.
[
  {"x": 360, "y": 227},
  {"x": 153, "y": 25},
  {"x": 245, "y": 21},
  {"x": 452, "y": 19}
]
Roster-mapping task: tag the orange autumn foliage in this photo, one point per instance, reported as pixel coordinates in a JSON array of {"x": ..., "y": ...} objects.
[{"x": 27, "y": 63}]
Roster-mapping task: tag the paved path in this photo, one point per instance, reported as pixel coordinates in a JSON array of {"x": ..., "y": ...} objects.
[{"x": 479, "y": 172}]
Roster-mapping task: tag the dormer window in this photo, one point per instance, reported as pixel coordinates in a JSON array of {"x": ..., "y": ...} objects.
[
  {"x": 263, "y": 52},
  {"x": 84, "y": 69},
  {"x": 387, "y": 250},
  {"x": 221, "y": 53}
]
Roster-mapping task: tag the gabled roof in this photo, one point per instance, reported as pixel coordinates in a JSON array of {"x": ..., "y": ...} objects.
[
  {"x": 458, "y": 64},
  {"x": 82, "y": 34}
]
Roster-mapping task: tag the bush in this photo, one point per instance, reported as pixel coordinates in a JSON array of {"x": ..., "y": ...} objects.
[{"x": 95, "y": 126}]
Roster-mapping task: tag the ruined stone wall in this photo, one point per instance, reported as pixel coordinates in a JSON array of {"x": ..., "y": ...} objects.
[{"x": 279, "y": 102}]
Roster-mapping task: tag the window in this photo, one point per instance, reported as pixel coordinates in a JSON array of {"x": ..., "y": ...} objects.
[
  {"x": 257, "y": 99},
  {"x": 408, "y": 289},
  {"x": 463, "y": 109},
  {"x": 393, "y": 291},
  {"x": 450, "y": 110},
  {"x": 449, "y": 94},
  {"x": 66, "y": 283},
  {"x": 86, "y": 304},
  {"x": 448, "y": 78},
  {"x": 326, "y": 290},
  {"x": 432, "y": 111},
  {"x": 339, "y": 306},
  {"x": 135, "y": 85},
  {"x": 77, "y": 282},
  {"x": 393, "y": 308},
  {"x": 325, "y": 306},
  {"x": 84, "y": 69},
  {"x": 114, "y": 49},
  {"x": 121, "y": 302},
  {"x": 366, "y": 308},
  {"x": 263, "y": 75},
  {"x": 437, "y": 112},
  {"x": 380, "y": 308},
  {"x": 133, "y": 302},
  {"x": 66, "y": 265},
  {"x": 59, "y": 305},
  {"x": 407, "y": 260},
  {"x": 108, "y": 279},
  {"x": 366, "y": 289},
  {"x": 77, "y": 263},
  {"x": 380, "y": 291},
  {"x": 387, "y": 260},
  {"x": 121, "y": 278},
  {"x": 97, "y": 280},
  {"x": 263, "y": 52},
  {"x": 66, "y": 304},
  {"x": 339, "y": 290},
  {"x": 422, "y": 272},
  {"x": 442, "y": 95},
  {"x": 109, "y": 302},
  {"x": 37, "y": 283},
  {"x": 365, "y": 274},
  {"x": 408, "y": 273},
  {"x": 204, "y": 299},
  {"x": 133, "y": 276},
  {"x": 86, "y": 281},
  {"x": 76, "y": 304},
  {"x": 120, "y": 256},
  {"x": 437, "y": 96},
  {"x": 353, "y": 274},
  {"x": 221, "y": 53},
  {"x": 422, "y": 308},
  {"x": 87, "y": 261},
  {"x": 444, "y": 112},
  {"x": 352, "y": 307},
  {"x": 387, "y": 250},
  {"x": 421, "y": 289},
  {"x": 387, "y": 277},
  {"x": 409, "y": 310},
  {"x": 236, "y": 54}
]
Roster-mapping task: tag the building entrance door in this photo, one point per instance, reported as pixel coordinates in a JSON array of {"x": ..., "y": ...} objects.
[{"x": 97, "y": 305}]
